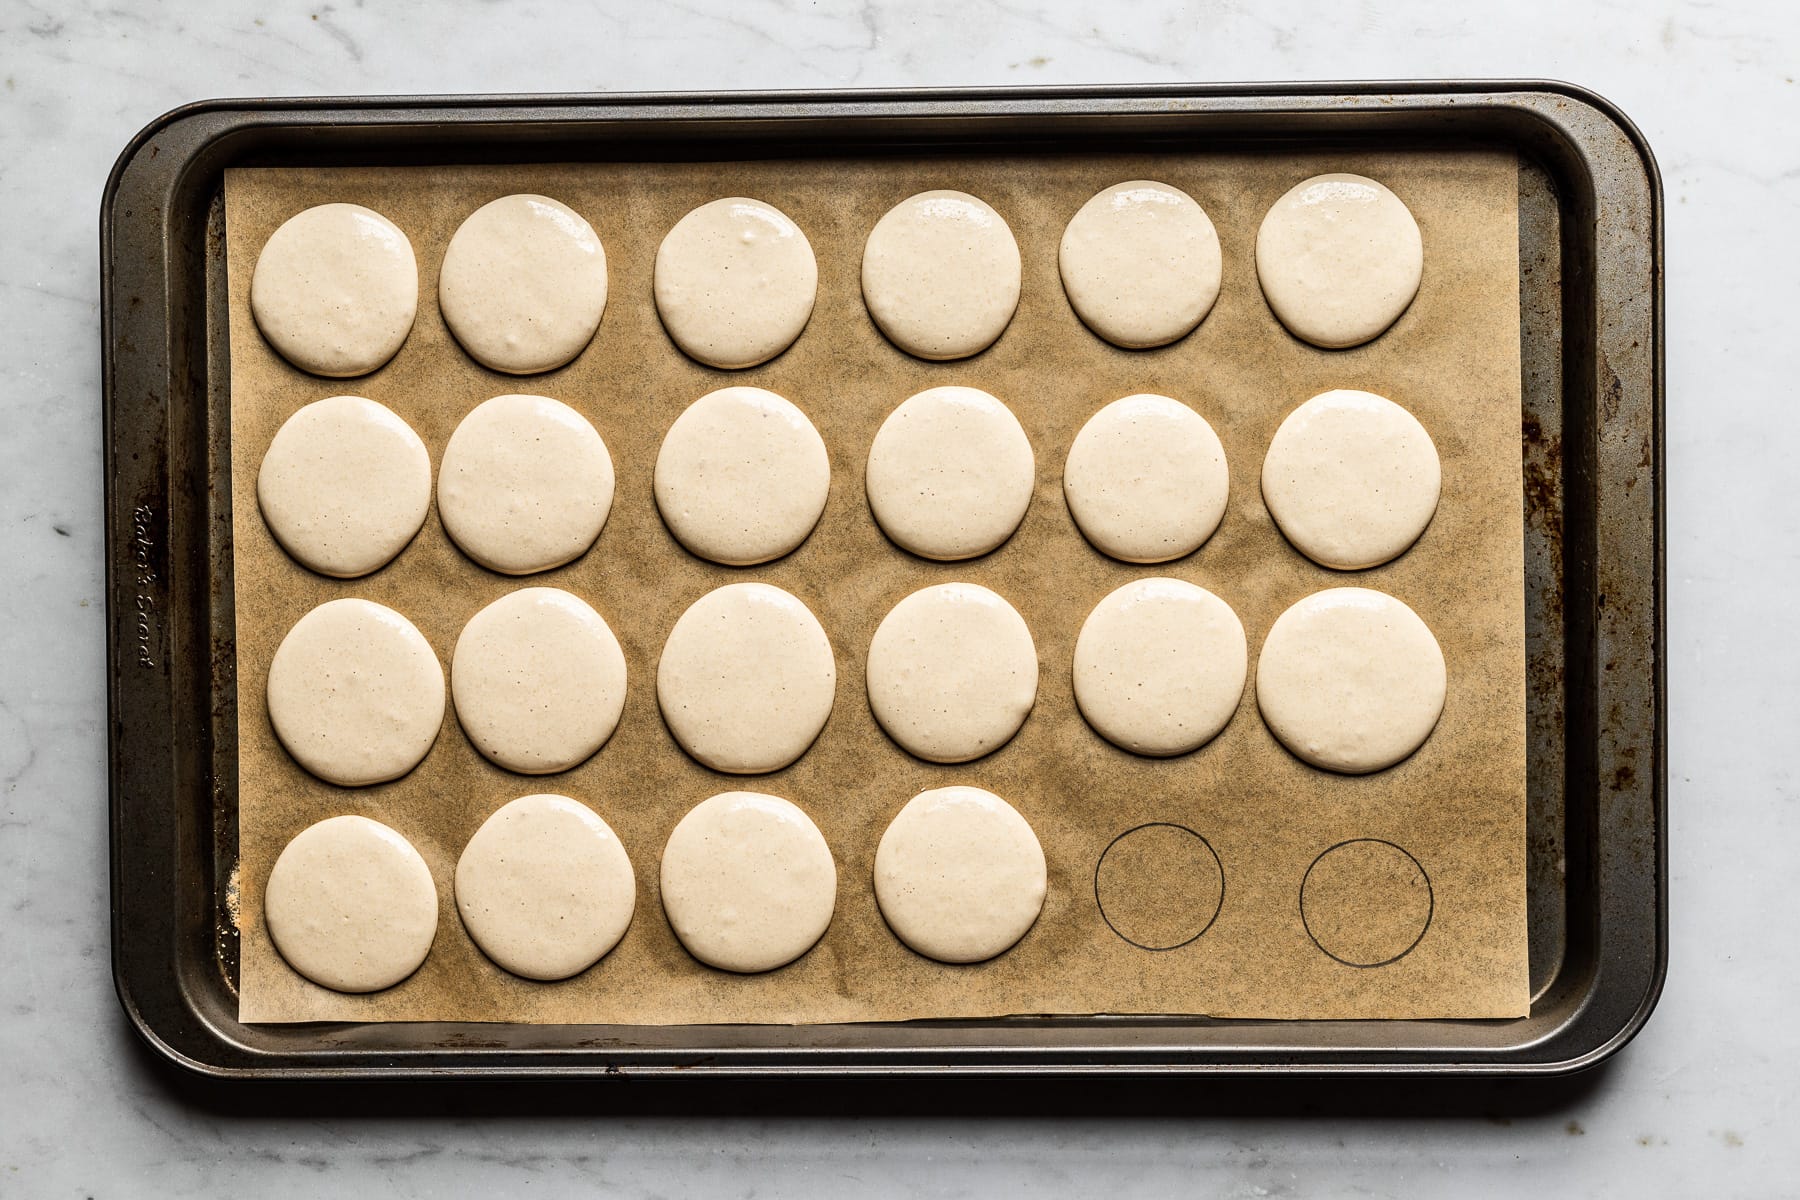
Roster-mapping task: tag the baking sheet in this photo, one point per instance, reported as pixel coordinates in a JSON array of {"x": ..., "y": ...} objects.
[{"x": 1431, "y": 850}]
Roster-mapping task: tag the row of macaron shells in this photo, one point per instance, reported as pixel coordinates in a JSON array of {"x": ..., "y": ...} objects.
[
  {"x": 526, "y": 482},
  {"x": 747, "y": 678},
  {"x": 545, "y": 888},
  {"x": 523, "y": 284}
]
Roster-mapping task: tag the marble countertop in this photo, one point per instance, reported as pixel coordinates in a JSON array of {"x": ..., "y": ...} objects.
[{"x": 1695, "y": 1107}]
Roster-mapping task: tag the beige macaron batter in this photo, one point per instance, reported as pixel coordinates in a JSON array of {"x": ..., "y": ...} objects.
[
  {"x": 950, "y": 473},
  {"x": 1351, "y": 680},
  {"x": 1339, "y": 258},
  {"x": 746, "y": 679},
  {"x": 544, "y": 887},
  {"x": 952, "y": 672},
  {"x": 538, "y": 680},
  {"x": 351, "y": 905},
  {"x": 742, "y": 476},
  {"x": 1146, "y": 479},
  {"x": 735, "y": 282},
  {"x": 355, "y": 693},
  {"x": 1352, "y": 479},
  {"x": 1160, "y": 666},
  {"x": 941, "y": 275},
  {"x": 748, "y": 882},
  {"x": 523, "y": 284},
  {"x": 335, "y": 290},
  {"x": 525, "y": 485},
  {"x": 1140, "y": 264},
  {"x": 344, "y": 486},
  {"x": 959, "y": 875}
]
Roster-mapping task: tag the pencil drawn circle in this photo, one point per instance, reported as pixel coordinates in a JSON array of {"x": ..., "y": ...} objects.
[
  {"x": 1159, "y": 886},
  {"x": 1366, "y": 902}
]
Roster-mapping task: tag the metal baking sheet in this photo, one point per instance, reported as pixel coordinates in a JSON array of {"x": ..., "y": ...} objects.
[{"x": 1590, "y": 452}]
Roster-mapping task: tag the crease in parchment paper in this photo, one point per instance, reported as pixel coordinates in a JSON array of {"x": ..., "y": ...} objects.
[{"x": 1457, "y": 807}]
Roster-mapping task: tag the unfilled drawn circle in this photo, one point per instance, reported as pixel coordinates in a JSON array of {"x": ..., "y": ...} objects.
[
  {"x": 1366, "y": 902},
  {"x": 1159, "y": 886}
]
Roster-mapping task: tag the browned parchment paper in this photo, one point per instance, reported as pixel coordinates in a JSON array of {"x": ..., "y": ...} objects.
[{"x": 1457, "y": 807}]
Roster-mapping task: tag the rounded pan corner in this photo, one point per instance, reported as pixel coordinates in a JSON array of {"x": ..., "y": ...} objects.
[
  {"x": 1597, "y": 1039},
  {"x": 162, "y": 1045},
  {"x": 155, "y": 127},
  {"x": 1616, "y": 115},
  {"x": 1619, "y": 1039}
]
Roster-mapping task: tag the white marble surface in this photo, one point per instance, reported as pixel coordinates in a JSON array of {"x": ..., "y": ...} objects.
[{"x": 1695, "y": 1107}]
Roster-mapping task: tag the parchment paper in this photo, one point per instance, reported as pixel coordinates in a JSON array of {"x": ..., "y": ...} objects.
[{"x": 1457, "y": 807}]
